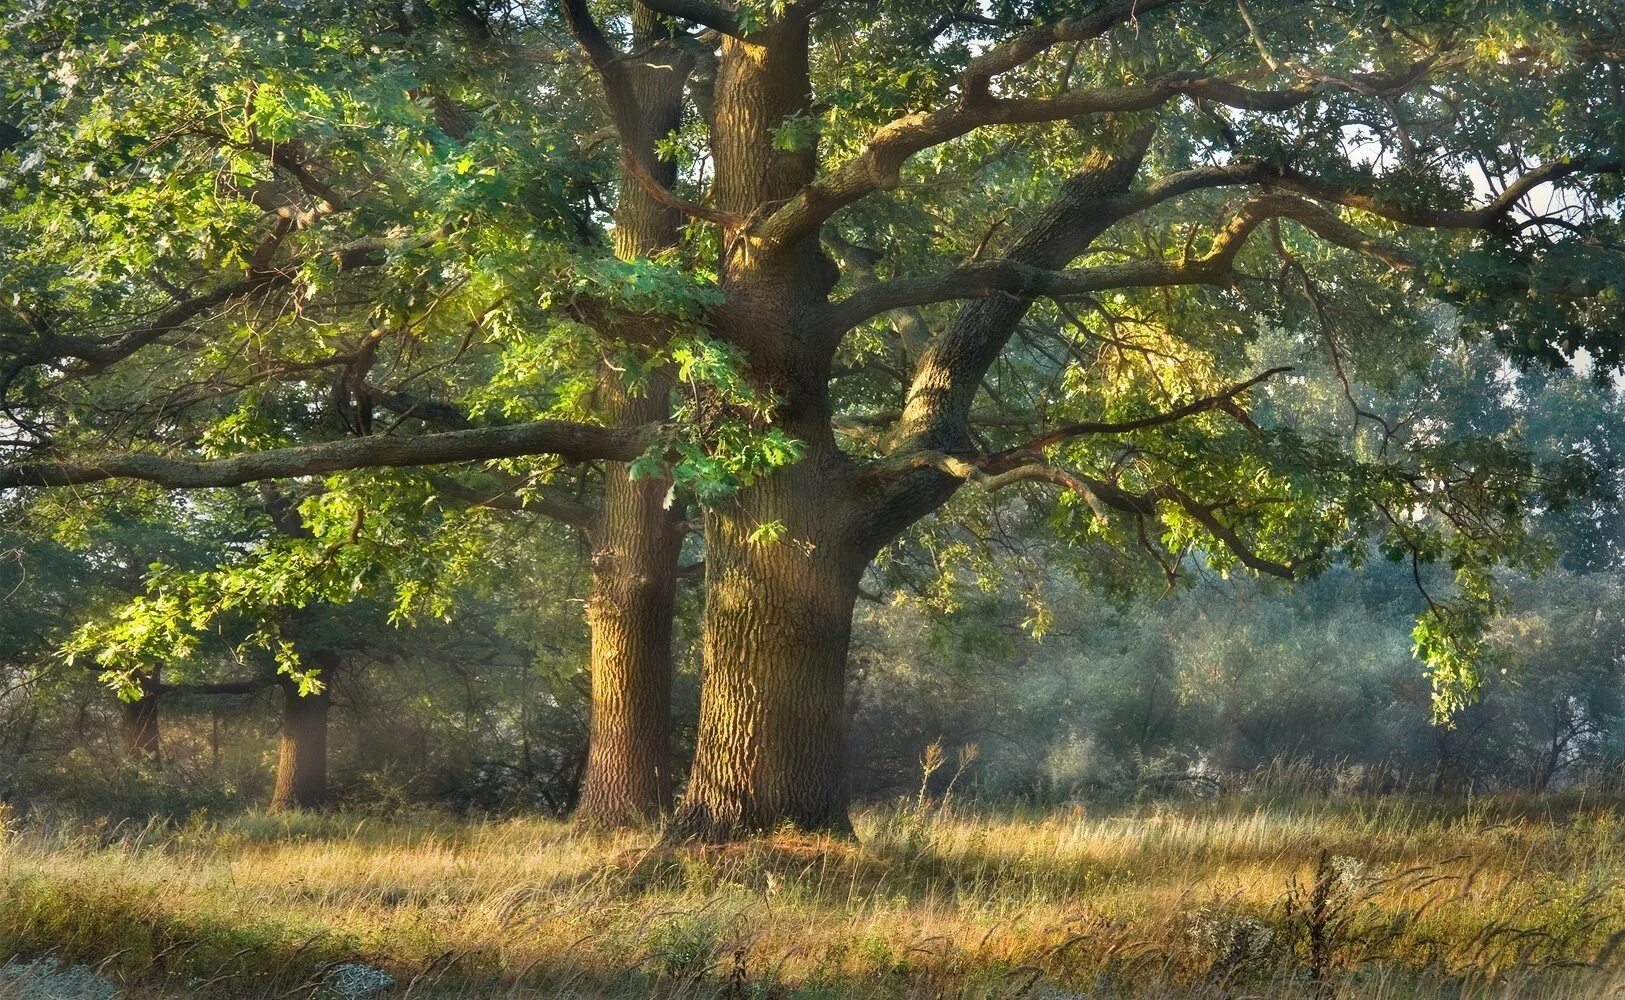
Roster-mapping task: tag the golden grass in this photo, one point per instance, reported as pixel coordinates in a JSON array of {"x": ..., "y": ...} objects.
[{"x": 1386, "y": 898}]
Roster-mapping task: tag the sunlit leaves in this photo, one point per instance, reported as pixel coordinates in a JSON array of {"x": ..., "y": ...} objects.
[
  {"x": 1450, "y": 641},
  {"x": 721, "y": 435},
  {"x": 380, "y": 539}
]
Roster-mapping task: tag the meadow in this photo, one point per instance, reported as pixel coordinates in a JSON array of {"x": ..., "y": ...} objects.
[{"x": 1390, "y": 897}]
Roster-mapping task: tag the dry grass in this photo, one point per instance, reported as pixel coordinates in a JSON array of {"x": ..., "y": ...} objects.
[{"x": 1314, "y": 898}]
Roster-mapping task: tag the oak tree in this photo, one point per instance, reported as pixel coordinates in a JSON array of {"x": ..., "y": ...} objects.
[{"x": 794, "y": 275}]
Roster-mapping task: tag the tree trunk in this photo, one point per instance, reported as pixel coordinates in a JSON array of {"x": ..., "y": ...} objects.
[
  {"x": 301, "y": 767},
  {"x": 138, "y": 724},
  {"x": 778, "y": 620},
  {"x": 778, "y": 613},
  {"x": 637, "y": 538},
  {"x": 629, "y": 618},
  {"x": 781, "y": 562}
]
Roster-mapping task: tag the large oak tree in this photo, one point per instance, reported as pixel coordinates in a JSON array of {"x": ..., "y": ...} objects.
[{"x": 793, "y": 275}]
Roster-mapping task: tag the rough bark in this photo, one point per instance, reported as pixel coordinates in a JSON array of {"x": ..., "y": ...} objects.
[
  {"x": 628, "y": 777},
  {"x": 301, "y": 771},
  {"x": 570, "y": 441},
  {"x": 637, "y": 537},
  {"x": 778, "y": 620},
  {"x": 937, "y": 413},
  {"x": 778, "y": 613}
]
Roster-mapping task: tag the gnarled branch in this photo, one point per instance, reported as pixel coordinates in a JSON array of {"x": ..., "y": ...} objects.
[
  {"x": 983, "y": 278},
  {"x": 100, "y": 352},
  {"x": 572, "y": 442},
  {"x": 1222, "y": 400},
  {"x": 977, "y": 77},
  {"x": 1105, "y": 497},
  {"x": 594, "y": 45},
  {"x": 701, "y": 12},
  {"x": 878, "y": 166},
  {"x": 665, "y": 196},
  {"x": 1483, "y": 217}
]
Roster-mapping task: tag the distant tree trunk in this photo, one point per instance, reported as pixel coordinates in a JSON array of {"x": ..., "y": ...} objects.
[
  {"x": 1561, "y": 735},
  {"x": 138, "y": 723},
  {"x": 637, "y": 536},
  {"x": 214, "y": 739},
  {"x": 301, "y": 771}
]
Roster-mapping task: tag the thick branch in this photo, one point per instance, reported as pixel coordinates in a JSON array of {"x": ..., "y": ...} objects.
[
  {"x": 701, "y": 12},
  {"x": 878, "y": 167},
  {"x": 570, "y": 441},
  {"x": 1105, "y": 211},
  {"x": 984, "y": 278},
  {"x": 977, "y": 78},
  {"x": 913, "y": 332},
  {"x": 665, "y": 196},
  {"x": 512, "y": 494},
  {"x": 283, "y": 512},
  {"x": 989, "y": 277},
  {"x": 594, "y": 45},
  {"x": 1222, "y": 400},
  {"x": 99, "y": 353},
  {"x": 935, "y": 417},
  {"x": 1104, "y": 496},
  {"x": 286, "y": 156},
  {"x": 437, "y": 413},
  {"x": 1484, "y": 217}
]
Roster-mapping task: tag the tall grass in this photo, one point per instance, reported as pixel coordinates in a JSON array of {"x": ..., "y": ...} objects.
[{"x": 1235, "y": 897}]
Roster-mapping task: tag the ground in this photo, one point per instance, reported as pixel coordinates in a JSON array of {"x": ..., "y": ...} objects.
[{"x": 1245, "y": 897}]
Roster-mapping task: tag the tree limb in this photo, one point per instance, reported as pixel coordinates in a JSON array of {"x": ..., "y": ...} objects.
[
  {"x": 588, "y": 35},
  {"x": 983, "y": 278},
  {"x": 1104, "y": 497},
  {"x": 665, "y": 196},
  {"x": 977, "y": 78},
  {"x": 1221, "y": 400},
  {"x": 989, "y": 277},
  {"x": 1484, "y": 217},
  {"x": 572, "y": 442},
  {"x": 100, "y": 352},
  {"x": 878, "y": 167},
  {"x": 702, "y": 12},
  {"x": 563, "y": 509}
]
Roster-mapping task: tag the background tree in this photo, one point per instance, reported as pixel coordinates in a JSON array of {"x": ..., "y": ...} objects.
[{"x": 314, "y": 158}]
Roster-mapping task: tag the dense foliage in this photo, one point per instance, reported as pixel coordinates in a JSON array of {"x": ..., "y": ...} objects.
[
  {"x": 416, "y": 322},
  {"x": 1046, "y": 686}
]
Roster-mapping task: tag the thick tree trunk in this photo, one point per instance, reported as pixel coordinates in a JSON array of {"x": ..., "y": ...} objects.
[
  {"x": 301, "y": 767},
  {"x": 637, "y": 539},
  {"x": 629, "y": 617},
  {"x": 778, "y": 620},
  {"x": 138, "y": 725},
  {"x": 778, "y": 612}
]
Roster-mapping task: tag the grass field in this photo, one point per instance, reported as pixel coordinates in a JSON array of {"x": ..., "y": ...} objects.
[{"x": 1238, "y": 898}]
